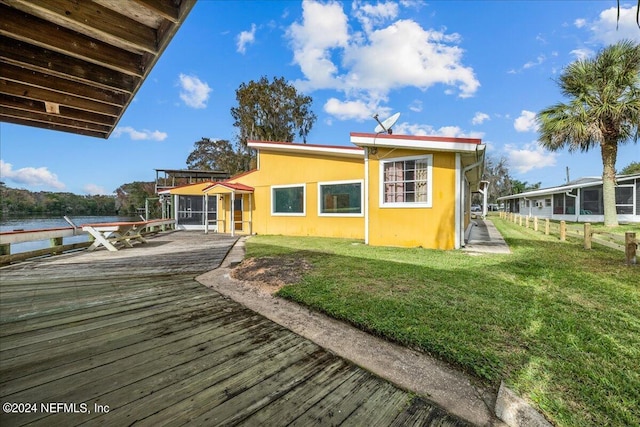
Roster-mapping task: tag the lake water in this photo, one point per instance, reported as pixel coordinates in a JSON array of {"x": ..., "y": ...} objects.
[{"x": 39, "y": 223}]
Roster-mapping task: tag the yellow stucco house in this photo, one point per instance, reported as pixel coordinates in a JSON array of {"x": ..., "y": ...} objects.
[{"x": 388, "y": 190}]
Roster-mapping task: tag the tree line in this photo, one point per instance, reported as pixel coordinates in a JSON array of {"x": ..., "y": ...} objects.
[{"x": 126, "y": 201}]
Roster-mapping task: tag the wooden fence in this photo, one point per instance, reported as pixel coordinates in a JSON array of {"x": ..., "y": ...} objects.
[{"x": 627, "y": 243}]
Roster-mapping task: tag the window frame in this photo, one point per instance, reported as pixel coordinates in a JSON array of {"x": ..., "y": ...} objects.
[
  {"x": 337, "y": 214},
  {"x": 304, "y": 200},
  {"x": 428, "y": 203},
  {"x": 625, "y": 205}
]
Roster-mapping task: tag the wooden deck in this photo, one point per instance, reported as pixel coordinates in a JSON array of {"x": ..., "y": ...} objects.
[{"x": 130, "y": 338}]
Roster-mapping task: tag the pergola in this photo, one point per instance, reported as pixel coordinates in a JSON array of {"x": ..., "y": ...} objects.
[{"x": 75, "y": 65}]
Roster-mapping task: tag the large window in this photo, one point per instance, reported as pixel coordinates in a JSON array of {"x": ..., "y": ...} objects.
[
  {"x": 340, "y": 198},
  {"x": 406, "y": 182},
  {"x": 288, "y": 200}
]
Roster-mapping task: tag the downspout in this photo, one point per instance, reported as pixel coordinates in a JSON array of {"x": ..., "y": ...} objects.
[
  {"x": 459, "y": 201},
  {"x": 576, "y": 203},
  {"x": 366, "y": 194}
]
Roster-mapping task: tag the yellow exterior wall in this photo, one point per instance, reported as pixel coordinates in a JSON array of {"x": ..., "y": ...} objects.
[
  {"x": 191, "y": 189},
  {"x": 432, "y": 227},
  {"x": 281, "y": 168}
]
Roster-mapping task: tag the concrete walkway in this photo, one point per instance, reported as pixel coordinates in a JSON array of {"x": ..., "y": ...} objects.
[
  {"x": 484, "y": 238},
  {"x": 454, "y": 391}
]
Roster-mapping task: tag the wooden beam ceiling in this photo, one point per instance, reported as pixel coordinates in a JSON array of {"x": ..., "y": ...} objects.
[{"x": 75, "y": 65}]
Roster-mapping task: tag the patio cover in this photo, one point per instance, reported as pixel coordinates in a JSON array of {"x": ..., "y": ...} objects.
[
  {"x": 75, "y": 65},
  {"x": 230, "y": 188}
]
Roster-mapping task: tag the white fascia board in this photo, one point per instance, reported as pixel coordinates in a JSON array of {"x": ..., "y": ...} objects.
[
  {"x": 620, "y": 179},
  {"x": 310, "y": 149},
  {"x": 423, "y": 144}
]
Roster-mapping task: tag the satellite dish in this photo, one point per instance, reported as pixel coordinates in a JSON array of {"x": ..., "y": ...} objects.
[{"x": 385, "y": 126}]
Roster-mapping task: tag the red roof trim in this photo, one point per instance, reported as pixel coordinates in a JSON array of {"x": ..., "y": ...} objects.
[
  {"x": 188, "y": 185},
  {"x": 240, "y": 175},
  {"x": 230, "y": 185},
  {"x": 417, "y": 138},
  {"x": 306, "y": 145}
]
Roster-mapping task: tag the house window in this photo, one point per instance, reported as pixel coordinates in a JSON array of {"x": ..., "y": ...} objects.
[
  {"x": 288, "y": 200},
  {"x": 340, "y": 198},
  {"x": 406, "y": 182},
  {"x": 624, "y": 199}
]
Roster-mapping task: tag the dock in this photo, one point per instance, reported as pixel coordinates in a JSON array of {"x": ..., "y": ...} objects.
[{"x": 131, "y": 338}]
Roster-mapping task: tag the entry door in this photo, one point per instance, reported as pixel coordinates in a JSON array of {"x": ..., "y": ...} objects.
[{"x": 237, "y": 214}]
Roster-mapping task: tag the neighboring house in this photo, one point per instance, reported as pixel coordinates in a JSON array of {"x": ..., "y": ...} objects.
[
  {"x": 389, "y": 190},
  {"x": 579, "y": 200}
]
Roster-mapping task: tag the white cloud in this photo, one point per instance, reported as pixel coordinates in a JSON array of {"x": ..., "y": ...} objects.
[
  {"x": 582, "y": 53},
  {"x": 416, "y": 129},
  {"x": 530, "y": 156},
  {"x": 480, "y": 118},
  {"x": 40, "y": 177},
  {"x": 421, "y": 58},
  {"x": 139, "y": 135},
  {"x": 351, "y": 110},
  {"x": 539, "y": 61},
  {"x": 608, "y": 30},
  {"x": 526, "y": 122},
  {"x": 194, "y": 92},
  {"x": 93, "y": 189},
  {"x": 367, "y": 65},
  {"x": 245, "y": 38},
  {"x": 324, "y": 27},
  {"x": 371, "y": 15},
  {"x": 580, "y": 22},
  {"x": 416, "y": 106}
]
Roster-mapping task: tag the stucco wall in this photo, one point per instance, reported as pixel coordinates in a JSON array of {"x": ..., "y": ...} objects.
[
  {"x": 284, "y": 169},
  {"x": 432, "y": 227}
]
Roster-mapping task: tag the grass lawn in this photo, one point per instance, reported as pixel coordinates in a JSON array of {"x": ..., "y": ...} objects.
[{"x": 559, "y": 324}]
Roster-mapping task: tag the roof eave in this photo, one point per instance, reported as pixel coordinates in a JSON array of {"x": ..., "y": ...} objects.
[
  {"x": 416, "y": 142},
  {"x": 337, "y": 151}
]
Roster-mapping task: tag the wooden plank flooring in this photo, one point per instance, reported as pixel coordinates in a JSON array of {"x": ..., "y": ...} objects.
[{"x": 134, "y": 332}]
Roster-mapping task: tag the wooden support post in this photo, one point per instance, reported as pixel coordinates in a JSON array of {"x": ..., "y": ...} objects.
[
  {"x": 526, "y": 221},
  {"x": 630, "y": 247},
  {"x": 547, "y": 226},
  {"x": 5, "y": 249},
  {"x": 587, "y": 235},
  {"x": 535, "y": 223},
  {"x": 563, "y": 231},
  {"x": 520, "y": 220},
  {"x": 53, "y": 242}
]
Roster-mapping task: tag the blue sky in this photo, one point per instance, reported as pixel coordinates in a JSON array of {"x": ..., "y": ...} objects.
[{"x": 454, "y": 68}]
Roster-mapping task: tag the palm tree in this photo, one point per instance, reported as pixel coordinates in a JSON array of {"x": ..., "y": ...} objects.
[{"x": 603, "y": 109}]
